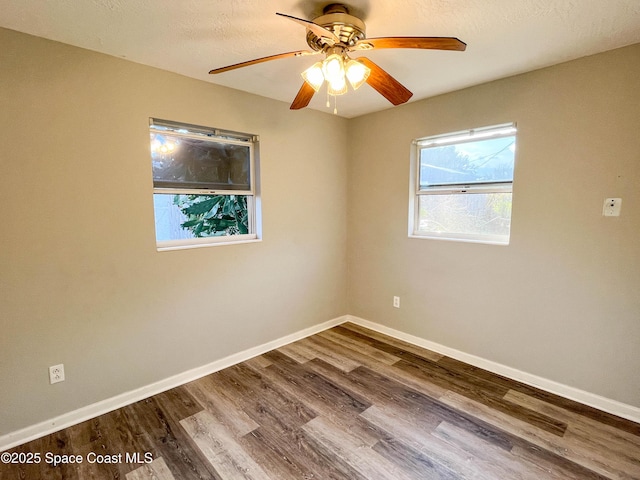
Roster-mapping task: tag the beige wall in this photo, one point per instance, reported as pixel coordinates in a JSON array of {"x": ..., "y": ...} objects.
[
  {"x": 562, "y": 301},
  {"x": 81, "y": 280}
]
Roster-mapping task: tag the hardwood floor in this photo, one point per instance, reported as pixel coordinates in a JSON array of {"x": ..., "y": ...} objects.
[{"x": 345, "y": 404}]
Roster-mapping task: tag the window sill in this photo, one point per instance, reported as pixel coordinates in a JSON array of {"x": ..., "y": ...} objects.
[
  {"x": 465, "y": 239},
  {"x": 170, "y": 246}
]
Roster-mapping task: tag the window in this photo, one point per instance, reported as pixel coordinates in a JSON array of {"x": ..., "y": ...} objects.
[
  {"x": 462, "y": 185},
  {"x": 204, "y": 185}
]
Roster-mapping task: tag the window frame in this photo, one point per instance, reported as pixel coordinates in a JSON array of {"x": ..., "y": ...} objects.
[
  {"x": 214, "y": 135},
  {"x": 469, "y": 188}
]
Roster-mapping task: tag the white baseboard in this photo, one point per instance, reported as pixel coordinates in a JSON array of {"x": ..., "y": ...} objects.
[
  {"x": 601, "y": 403},
  {"x": 105, "y": 406}
]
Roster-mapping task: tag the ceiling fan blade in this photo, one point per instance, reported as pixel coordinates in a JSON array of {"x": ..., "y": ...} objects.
[
  {"x": 298, "y": 53},
  {"x": 314, "y": 27},
  {"x": 385, "y": 84},
  {"x": 303, "y": 97},
  {"x": 433, "y": 43}
]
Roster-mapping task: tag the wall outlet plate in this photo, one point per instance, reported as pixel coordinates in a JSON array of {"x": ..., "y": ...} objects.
[
  {"x": 611, "y": 207},
  {"x": 56, "y": 374}
]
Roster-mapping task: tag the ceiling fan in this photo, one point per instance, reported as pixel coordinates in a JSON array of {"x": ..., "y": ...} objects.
[{"x": 335, "y": 34}]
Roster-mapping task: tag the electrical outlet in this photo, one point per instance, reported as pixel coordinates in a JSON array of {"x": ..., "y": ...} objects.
[
  {"x": 56, "y": 374},
  {"x": 396, "y": 302},
  {"x": 612, "y": 207}
]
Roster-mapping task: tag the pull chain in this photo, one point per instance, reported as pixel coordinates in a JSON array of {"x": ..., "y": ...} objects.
[{"x": 335, "y": 102}]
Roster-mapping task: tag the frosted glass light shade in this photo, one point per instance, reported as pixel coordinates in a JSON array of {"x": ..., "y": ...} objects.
[
  {"x": 357, "y": 73},
  {"x": 333, "y": 68},
  {"x": 313, "y": 76},
  {"x": 338, "y": 86}
]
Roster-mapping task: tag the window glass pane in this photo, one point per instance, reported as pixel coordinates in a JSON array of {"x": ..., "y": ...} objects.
[
  {"x": 481, "y": 161},
  {"x": 185, "y": 162},
  {"x": 468, "y": 214},
  {"x": 181, "y": 217}
]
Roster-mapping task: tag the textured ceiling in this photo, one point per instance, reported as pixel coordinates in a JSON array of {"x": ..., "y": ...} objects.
[{"x": 190, "y": 37}]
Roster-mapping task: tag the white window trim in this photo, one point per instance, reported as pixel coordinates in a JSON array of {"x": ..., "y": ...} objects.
[
  {"x": 170, "y": 245},
  {"x": 254, "y": 205},
  {"x": 496, "y": 131}
]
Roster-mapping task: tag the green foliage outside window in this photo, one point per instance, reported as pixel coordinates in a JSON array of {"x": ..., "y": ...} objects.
[{"x": 214, "y": 215}]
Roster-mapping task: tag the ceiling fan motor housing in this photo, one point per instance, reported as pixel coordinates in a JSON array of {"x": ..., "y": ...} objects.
[{"x": 336, "y": 18}]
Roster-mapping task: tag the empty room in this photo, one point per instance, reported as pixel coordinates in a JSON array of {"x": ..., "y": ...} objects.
[{"x": 307, "y": 240}]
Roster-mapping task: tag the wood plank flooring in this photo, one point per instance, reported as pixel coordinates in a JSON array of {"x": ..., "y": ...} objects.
[{"x": 345, "y": 404}]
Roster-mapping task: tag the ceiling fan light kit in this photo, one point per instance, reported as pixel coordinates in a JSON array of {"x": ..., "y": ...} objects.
[
  {"x": 335, "y": 69},
  {"x": 335, "y": 34}
]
